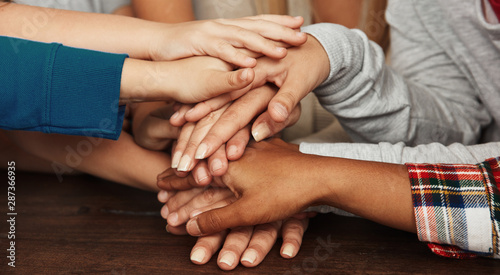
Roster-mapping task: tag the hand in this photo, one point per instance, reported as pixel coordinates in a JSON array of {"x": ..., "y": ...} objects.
[
  {"x": 188, "y": 80},
  {"x": 231, "y": 126},
  {"x": 274, "y": 180},
  {"x": 151, "y": 126},
  {"x": 248, "y": 245},
  {"x": 301, "y": 71},
  {"x": 228, "y": 39},
  {"x": 283, "y": 191}
]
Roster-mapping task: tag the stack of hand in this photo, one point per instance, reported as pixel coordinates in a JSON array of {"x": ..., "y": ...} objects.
[{"x": 208, "y": 134}]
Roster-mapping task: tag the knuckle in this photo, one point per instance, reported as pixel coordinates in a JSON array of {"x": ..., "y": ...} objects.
[
  {"x": 289, "y": 100},
  {"x": 209, "y": 195},
  {"x": 213, "y": 222}
]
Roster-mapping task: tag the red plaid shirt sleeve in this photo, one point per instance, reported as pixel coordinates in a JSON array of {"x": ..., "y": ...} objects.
[{"x": 457, "y": 207}]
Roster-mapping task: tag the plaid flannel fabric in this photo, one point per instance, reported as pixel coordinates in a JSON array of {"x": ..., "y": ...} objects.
[{"x": 457, "y": 207}]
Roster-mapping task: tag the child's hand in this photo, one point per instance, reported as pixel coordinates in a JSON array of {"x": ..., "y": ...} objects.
[
  {"x": 151, "y": 126},
  {"x": 189, "y": 80},
  {"x": 229, "y": 39}
]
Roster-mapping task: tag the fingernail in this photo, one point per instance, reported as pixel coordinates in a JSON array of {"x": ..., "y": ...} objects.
[
  {"x": 298, "y": 17},
  {"x": 202, "y": 174},
  {"x": 281, "y": 110},
  {"x": 164, "y": 212},
  {"x": 173, "y": 218},
  {"x": 228, "y": 258},
  {"x": 166, "y": 228},
  {"x": 193, "y": 228},
  {"x": 202, "y": 151},
  {"x": 176, "y": 159},
  {"x": 184, "y": 164},
  {"x": 244, "y": 75},
  {"x": 216, "y": 165},
  {"x": 198, "y": 255},
  {"x": 261, "y": 132},
  {"x": 232, "y": 150},
  {"x": 195, "y": 213},
  {"x": 249, "y": 60},
  {"x": 163, "y": 196},
  {"x": 249, "y": 256},
  {"x": 190, "y": 111},
  {"x": 280, "y": 49},
  {"x": 175, "y": 115},
  {"x": 288, "y": 250}
]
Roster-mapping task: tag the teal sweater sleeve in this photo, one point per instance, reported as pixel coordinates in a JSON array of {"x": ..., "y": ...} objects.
[{"x": 52, "y": 88}]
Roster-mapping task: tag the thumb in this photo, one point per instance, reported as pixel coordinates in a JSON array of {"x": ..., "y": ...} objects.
[
  {"x": 217, "y": 220},
  {"x": 224, "y": 82},
  {"x": 264, "y": 126},
  {"x": 289, "y": 95}
]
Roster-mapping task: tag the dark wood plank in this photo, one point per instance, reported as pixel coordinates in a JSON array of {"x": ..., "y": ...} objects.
[{"x": 86, "y": 225}]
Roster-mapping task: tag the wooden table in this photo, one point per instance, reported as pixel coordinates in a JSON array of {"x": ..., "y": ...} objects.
[{"x": 86, "y": 225}]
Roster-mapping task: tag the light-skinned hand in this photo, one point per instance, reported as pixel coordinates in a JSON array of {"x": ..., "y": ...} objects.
[
  {"x": 229, "y": 126},
  {"x": 151, "y": 126},
  {"x": 301, "y": 71},
  {"x": 188, "y": 80},
  {"x": 229, "y": 39}
]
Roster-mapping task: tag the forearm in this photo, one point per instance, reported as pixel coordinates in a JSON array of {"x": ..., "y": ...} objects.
[
  {"x": 373, "y": 190},
  {"x": 172, "y": 11},
  {"x": 120, "y": 161},
  {"x": 102, "y": 32}
]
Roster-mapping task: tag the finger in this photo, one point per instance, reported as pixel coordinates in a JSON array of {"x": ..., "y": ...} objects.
[
  {"x": 218, "y": 82},
  {"x": 236, "y": 117},
  {"x": 162, "y": 129},
  {"x": 205, "y": 199},
  {"x": 233, "y": 215},
  {"x": 271, "y": 31},
  {"x": 181, "y": 145},
  {"x": 177, "y": 119},
  {"x": 169, "y": 181},
  {"x": 236, "y": 242},
  {"x": 218, "y": 162},
  {"x": 206, "y": 246},
  {"x": 219, "y": 204},
  {"x": 204, "y": 108},
  {"x": 293, "y": 232},
  {"x": 201, "y": 174},
  {"x": 264, "y": 126},
  {"x": 177, "y": 230},
  {"x": 163, "y": 196},
  {"x": 197, "y": 134},
  {"x": 180, "y": 198},
  {"x": 263, "y": 239},
  {"x": 288, "y": 97},
  {"x": 236, "y": 145},
  {"x": 284, "y": 20},
  {"x": 237, "y": 36}
]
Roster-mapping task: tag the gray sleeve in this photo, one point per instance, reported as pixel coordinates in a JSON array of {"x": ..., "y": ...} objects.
[
  {"x": 400, "y": 154},
  {"x": 424, "y": 99}
]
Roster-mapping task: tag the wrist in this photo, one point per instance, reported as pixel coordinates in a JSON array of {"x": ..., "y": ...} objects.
[
  {"x": 320, "y": 57},
  {"x": 141, "y": 82}
]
